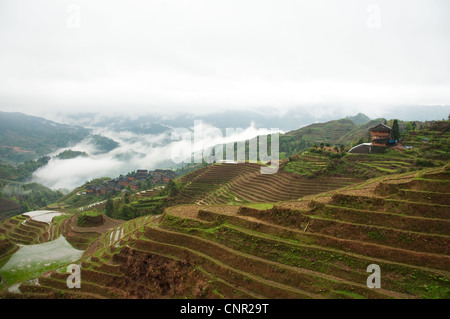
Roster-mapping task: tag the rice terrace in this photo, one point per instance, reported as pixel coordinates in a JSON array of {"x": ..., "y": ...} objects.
[
  {"x": 224, "y": 159},
  {"x": 224, "y": 230}
]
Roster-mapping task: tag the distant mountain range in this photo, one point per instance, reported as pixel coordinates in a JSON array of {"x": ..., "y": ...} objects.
[
  {"x": 359, "y": 118},
  {"x": 293, "y": 119},
  {"x": 24, "y": 137}
]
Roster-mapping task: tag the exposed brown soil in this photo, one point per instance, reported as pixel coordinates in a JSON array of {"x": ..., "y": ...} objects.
[
  {"x": 93, "y": 221},
  {"x": 149, "y": 276},
  {"x": 17, "y": 149},
  {"x": 280, "y": 216}
]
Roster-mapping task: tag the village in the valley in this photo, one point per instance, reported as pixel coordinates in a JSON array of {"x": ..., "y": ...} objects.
[{"x": 141, "y": 179}]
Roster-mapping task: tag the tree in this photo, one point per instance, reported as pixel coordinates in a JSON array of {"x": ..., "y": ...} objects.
[
  {"x": 409, "y": 127},
  {"x": 124, "y": 212},
  {"x": 109, "y": 207},
  {"x": 172, "y": 188},
  {"x": 127, "y": 198},
  {"x": 395, "y": 130},
  {"x": 413, "y": 124}
]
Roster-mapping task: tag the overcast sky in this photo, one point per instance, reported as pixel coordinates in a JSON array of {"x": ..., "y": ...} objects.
[{"x": 204, "y": 56}]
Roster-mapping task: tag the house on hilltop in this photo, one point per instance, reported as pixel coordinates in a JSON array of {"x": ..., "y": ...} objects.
[{"x": 380, "y": 136}]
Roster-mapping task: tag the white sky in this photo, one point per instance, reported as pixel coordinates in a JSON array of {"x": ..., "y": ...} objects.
[{"x": 203, "y": 56}]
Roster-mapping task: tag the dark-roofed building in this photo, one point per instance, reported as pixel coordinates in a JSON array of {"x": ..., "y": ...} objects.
[
  {"x": 380, "y": 135},
  {"x": 141, "y": 174},
  {"x": 162, "y": 175}
]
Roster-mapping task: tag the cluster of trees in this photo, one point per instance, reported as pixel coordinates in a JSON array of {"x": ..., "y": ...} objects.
[
  {"x": 171, "y": 189},
  {"x": 68, "y": 154},
  {"x": 121, "y": 209},
  {"x": 30, "y": 196},
  {"x": 338, "y": 148},
  {"x": 124, "y": 208},
  {"x": 23, "y": 171},
  {"x": 290, "y": 145},
  {"x": 103, "y": 144},
  {"x": 396, "y": 134}
]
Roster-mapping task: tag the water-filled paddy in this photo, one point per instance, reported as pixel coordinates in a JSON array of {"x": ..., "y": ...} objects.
[
  {"x": 30, "y": 261},
  {"x": 45, "y": 216}
]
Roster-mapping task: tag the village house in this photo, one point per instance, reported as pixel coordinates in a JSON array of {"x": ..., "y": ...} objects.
[
  {"x": 380, "y": 136},
  {"x": 134, "y": 186},
  {"x": 141, "y": 174},
  {"x": 162, "y": 175},
  {"x": 133, "y": 181}
]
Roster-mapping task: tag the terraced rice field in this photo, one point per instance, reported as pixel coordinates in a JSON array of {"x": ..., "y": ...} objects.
[
  {"x": 24, "y": 230},
  {"x": 316, "y": 247},
  {"x": 306, "y": 164},
  {"x": 36, "y": 242},
  {"x": 243, "y": 183}
]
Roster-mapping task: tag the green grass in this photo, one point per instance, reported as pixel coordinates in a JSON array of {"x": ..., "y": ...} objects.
[
  {"x": 350, "y": 294},
  {"x": 90, "y": 213},
  {"x": 261, "y": 206}
]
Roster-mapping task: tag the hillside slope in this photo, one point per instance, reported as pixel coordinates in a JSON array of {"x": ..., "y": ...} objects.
[
  {"x": 26, "y": 137},
  {"x": 308, "y": 231},
  {"x": 243, "y": 183},
  {"x": 316, "y": 247}
]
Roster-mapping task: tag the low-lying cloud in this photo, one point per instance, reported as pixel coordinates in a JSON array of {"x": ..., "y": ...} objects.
[{"x": 135, "y": 151}]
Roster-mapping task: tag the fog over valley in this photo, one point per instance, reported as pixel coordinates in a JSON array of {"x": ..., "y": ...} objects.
[
  {"x": 224, "y": 150},
  {"x": 134, "y": 151}
]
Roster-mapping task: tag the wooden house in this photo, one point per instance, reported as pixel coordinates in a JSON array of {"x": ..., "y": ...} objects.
[
  {"x": 380, "y": 135},
  {"x": 141, "y": 174}
]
